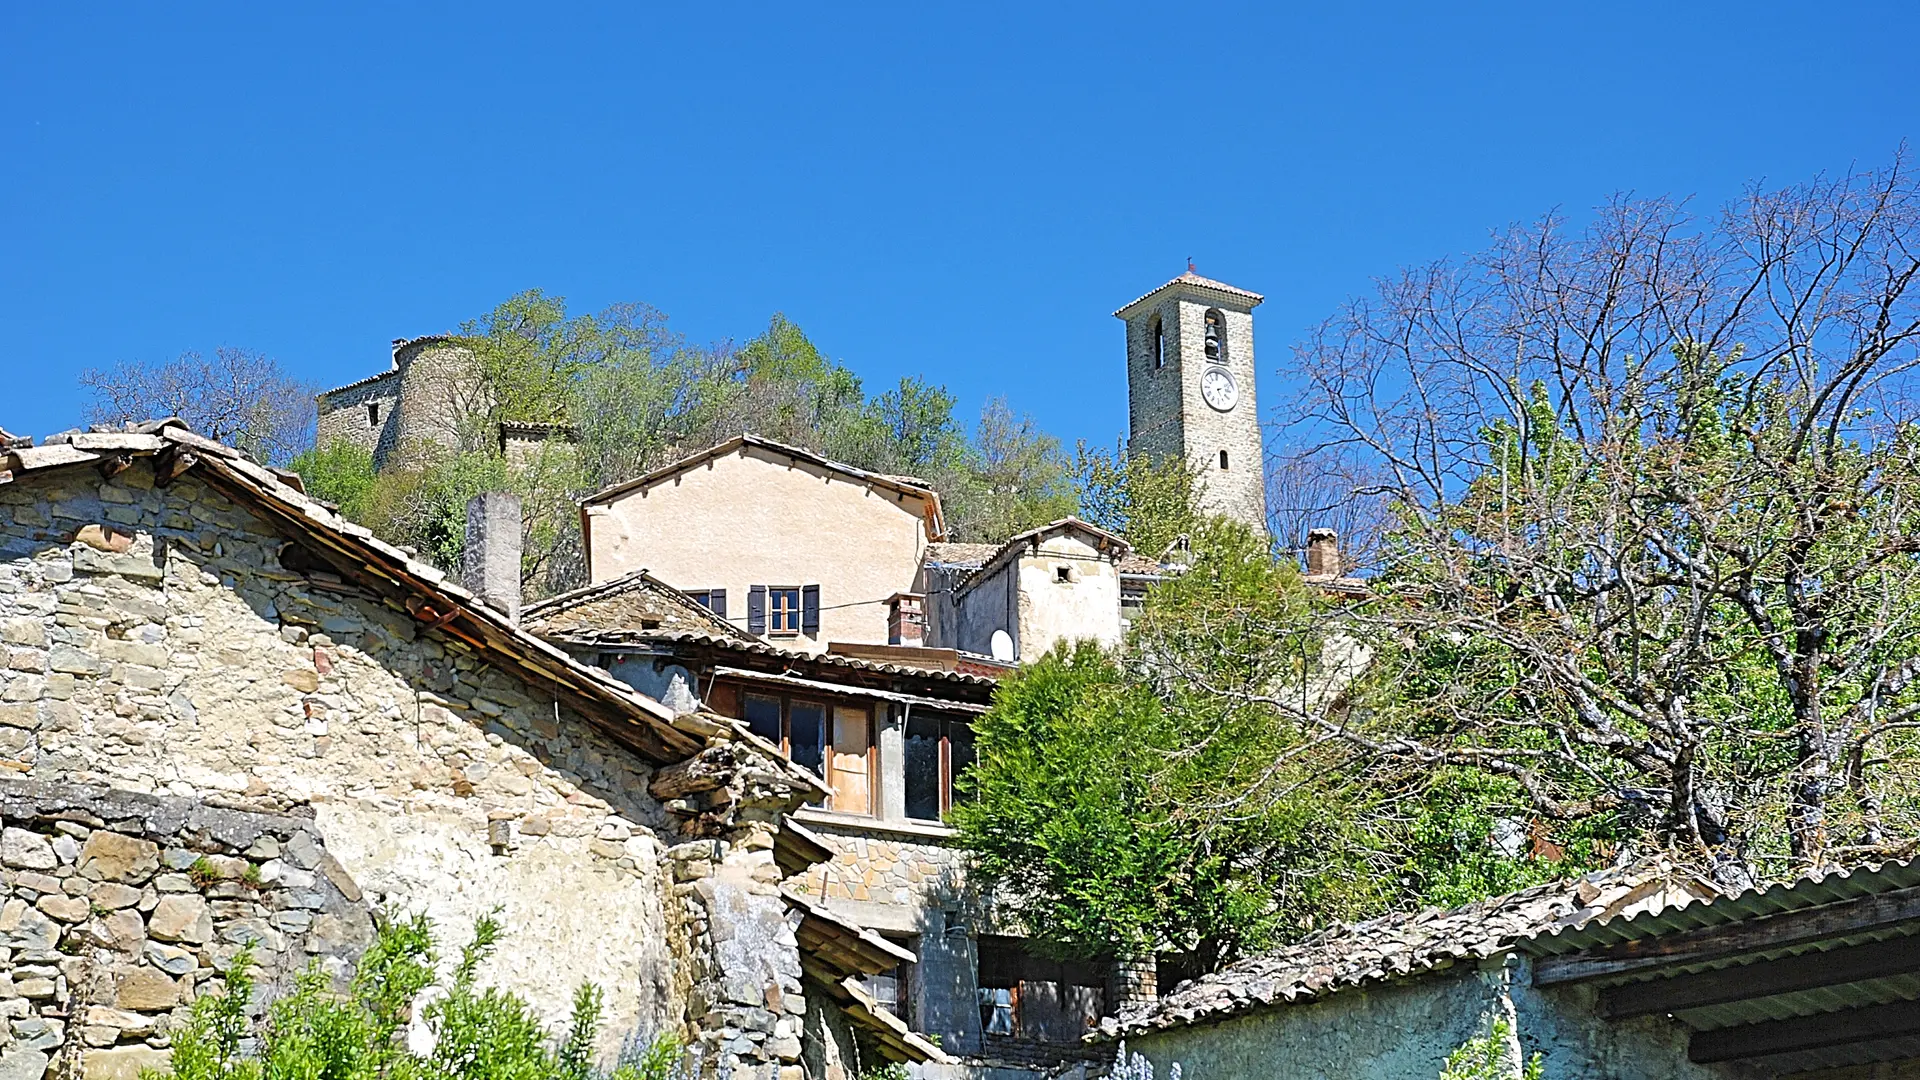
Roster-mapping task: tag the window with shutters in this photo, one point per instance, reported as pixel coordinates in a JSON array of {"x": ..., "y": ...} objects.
[
  {"x": 784, "y": 610},
  {"x": 714, "y": 600}
]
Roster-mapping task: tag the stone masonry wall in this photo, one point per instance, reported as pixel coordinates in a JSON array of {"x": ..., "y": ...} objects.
[
  {"x": 119, "y": 907},
  {"x": 342, "y": 414},
  {"x": 1168, "y": 416},
  {"x": 909, "y": 886},
  {"x": 155, "y": 640}
]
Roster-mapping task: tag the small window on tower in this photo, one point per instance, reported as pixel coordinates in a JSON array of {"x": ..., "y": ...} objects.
[
  {"x": 1158, "y": 334},
  {"x": 373, "y": 414},
  {"x": 1216, "y": 347},
  {"x": 1223, "y": 459}
]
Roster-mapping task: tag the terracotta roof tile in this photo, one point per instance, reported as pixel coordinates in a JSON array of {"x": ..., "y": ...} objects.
[
  {"x": 1403, "y": 944},
  {"x": 1194, "y": 280},
  {"x": 635, "y": 601}
]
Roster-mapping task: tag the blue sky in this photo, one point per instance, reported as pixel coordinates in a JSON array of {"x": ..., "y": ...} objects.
[{"x": 963, "y": 193}]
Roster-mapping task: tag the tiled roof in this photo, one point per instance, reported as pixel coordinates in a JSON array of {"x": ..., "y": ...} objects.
[
  {"x": 428, "y": 594},
  {"x": 358, "y": 383},
  {"x": 635, "y": 601},
  {"x": 1398, "y": 945},
  {"x": 962, "y": 556},
  {"x": 1106, "y": 541},
  {"x": 755, "y": 647},
  {"x": 1195, "y": 281},
  {"x": 935, "y": 522}
]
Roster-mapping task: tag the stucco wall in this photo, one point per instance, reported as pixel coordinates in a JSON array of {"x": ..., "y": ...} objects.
[
  {"x": 1085, "y": 606},
  {"x": 756, "y": 517},
  {"x": 168, "y": 650},
  {"x": 1405, "y": 1030},
  {"x": 1024, "y": 596}
]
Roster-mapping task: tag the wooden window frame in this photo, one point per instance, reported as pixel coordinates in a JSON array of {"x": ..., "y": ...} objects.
[
  {"x": 946, "y": 777},
  {"x": 776, "y": 613},
  {"x": 827, "y": 705}
]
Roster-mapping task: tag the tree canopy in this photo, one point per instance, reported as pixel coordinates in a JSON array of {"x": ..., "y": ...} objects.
[{"x": 638, "y": 395}]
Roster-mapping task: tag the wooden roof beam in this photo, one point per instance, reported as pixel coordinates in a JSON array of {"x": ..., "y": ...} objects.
[{"x": 1762, "y": 979}]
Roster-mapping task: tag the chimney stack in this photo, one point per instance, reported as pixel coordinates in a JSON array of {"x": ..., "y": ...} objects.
[
  {"x": 490, "y": 566},
  {"x": 1323, "y": 553},
  {"x": 907, "y": 619}
]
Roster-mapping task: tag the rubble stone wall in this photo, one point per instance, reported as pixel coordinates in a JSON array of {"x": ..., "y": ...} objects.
[
  {"x": 156, "y": 640},
  {"x": 118, "y": 907},
  {"x": 870, "y": 865}
]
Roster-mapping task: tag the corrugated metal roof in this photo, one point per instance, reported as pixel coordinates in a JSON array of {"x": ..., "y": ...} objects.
[{"x": 1829, "y": 887}]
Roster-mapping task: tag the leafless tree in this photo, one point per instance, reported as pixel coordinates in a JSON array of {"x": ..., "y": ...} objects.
[
  {"x": 1655, "y": 497},
  {"x": 1326, "y": 488},
  {"x": 238, "y": 396}
]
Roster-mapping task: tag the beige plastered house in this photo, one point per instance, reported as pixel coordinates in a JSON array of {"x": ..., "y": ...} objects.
[{"x": 779, "y": 541}]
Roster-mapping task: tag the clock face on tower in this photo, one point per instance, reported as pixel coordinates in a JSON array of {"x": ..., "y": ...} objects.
[{"x": 1217, "y": 388}]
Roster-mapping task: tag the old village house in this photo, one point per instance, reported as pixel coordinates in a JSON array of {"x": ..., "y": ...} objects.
[{"x": 206, "y": 670}]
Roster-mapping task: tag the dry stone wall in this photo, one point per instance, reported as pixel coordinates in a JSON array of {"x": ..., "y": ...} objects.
[
  {"x": 156, "y": 640},
  {"x": 119, "y": 906}
]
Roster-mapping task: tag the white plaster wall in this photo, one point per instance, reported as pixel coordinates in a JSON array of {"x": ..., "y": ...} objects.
[
  {"x": 756, "y": 517},
  {"x": 1024, "y": 596},
  {"x": 1052, "y": 611}
]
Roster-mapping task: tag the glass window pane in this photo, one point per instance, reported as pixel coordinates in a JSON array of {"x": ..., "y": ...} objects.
[
  {"x": 923, "y": 767},
  {"x": 807, "y": 735},
  {"x": 763, "y": 717},
  {"x": 960, "y": 756}
]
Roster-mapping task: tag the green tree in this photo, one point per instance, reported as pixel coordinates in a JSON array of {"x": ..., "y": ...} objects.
[
  {"x": 1154, "y": 504},
  {"x": 318, "y": 1033},
  {"x": 341, "y": 473},
  {"x": 1495, "y": 1055},
  {"x": 1125, "y": 805},
  {"x": 1015, "y": 478}
]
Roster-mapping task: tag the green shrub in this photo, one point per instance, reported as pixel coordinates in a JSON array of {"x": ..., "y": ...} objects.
[{"x": 319, "y": 1033}]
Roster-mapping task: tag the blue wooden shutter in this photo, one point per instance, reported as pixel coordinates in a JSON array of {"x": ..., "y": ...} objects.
[
  {"x": 810, "y": 610},
  {"x": 717, "y": 602},
  {"x": 757, "y": 609}
]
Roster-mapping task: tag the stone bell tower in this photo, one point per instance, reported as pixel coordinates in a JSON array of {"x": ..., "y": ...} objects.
[{"x": 1190, "y": 390}]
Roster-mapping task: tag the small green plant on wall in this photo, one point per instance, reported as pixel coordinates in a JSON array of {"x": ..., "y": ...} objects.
[{"x": 1488, "y": 1057}]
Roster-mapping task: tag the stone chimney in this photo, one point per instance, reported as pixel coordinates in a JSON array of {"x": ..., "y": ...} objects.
[
  {"x": 1323, "y": 553},
  {"x": 907, "y": 619},
  {"x": 490, "y": 566},
  {"x": 1132, "y": 982}
]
